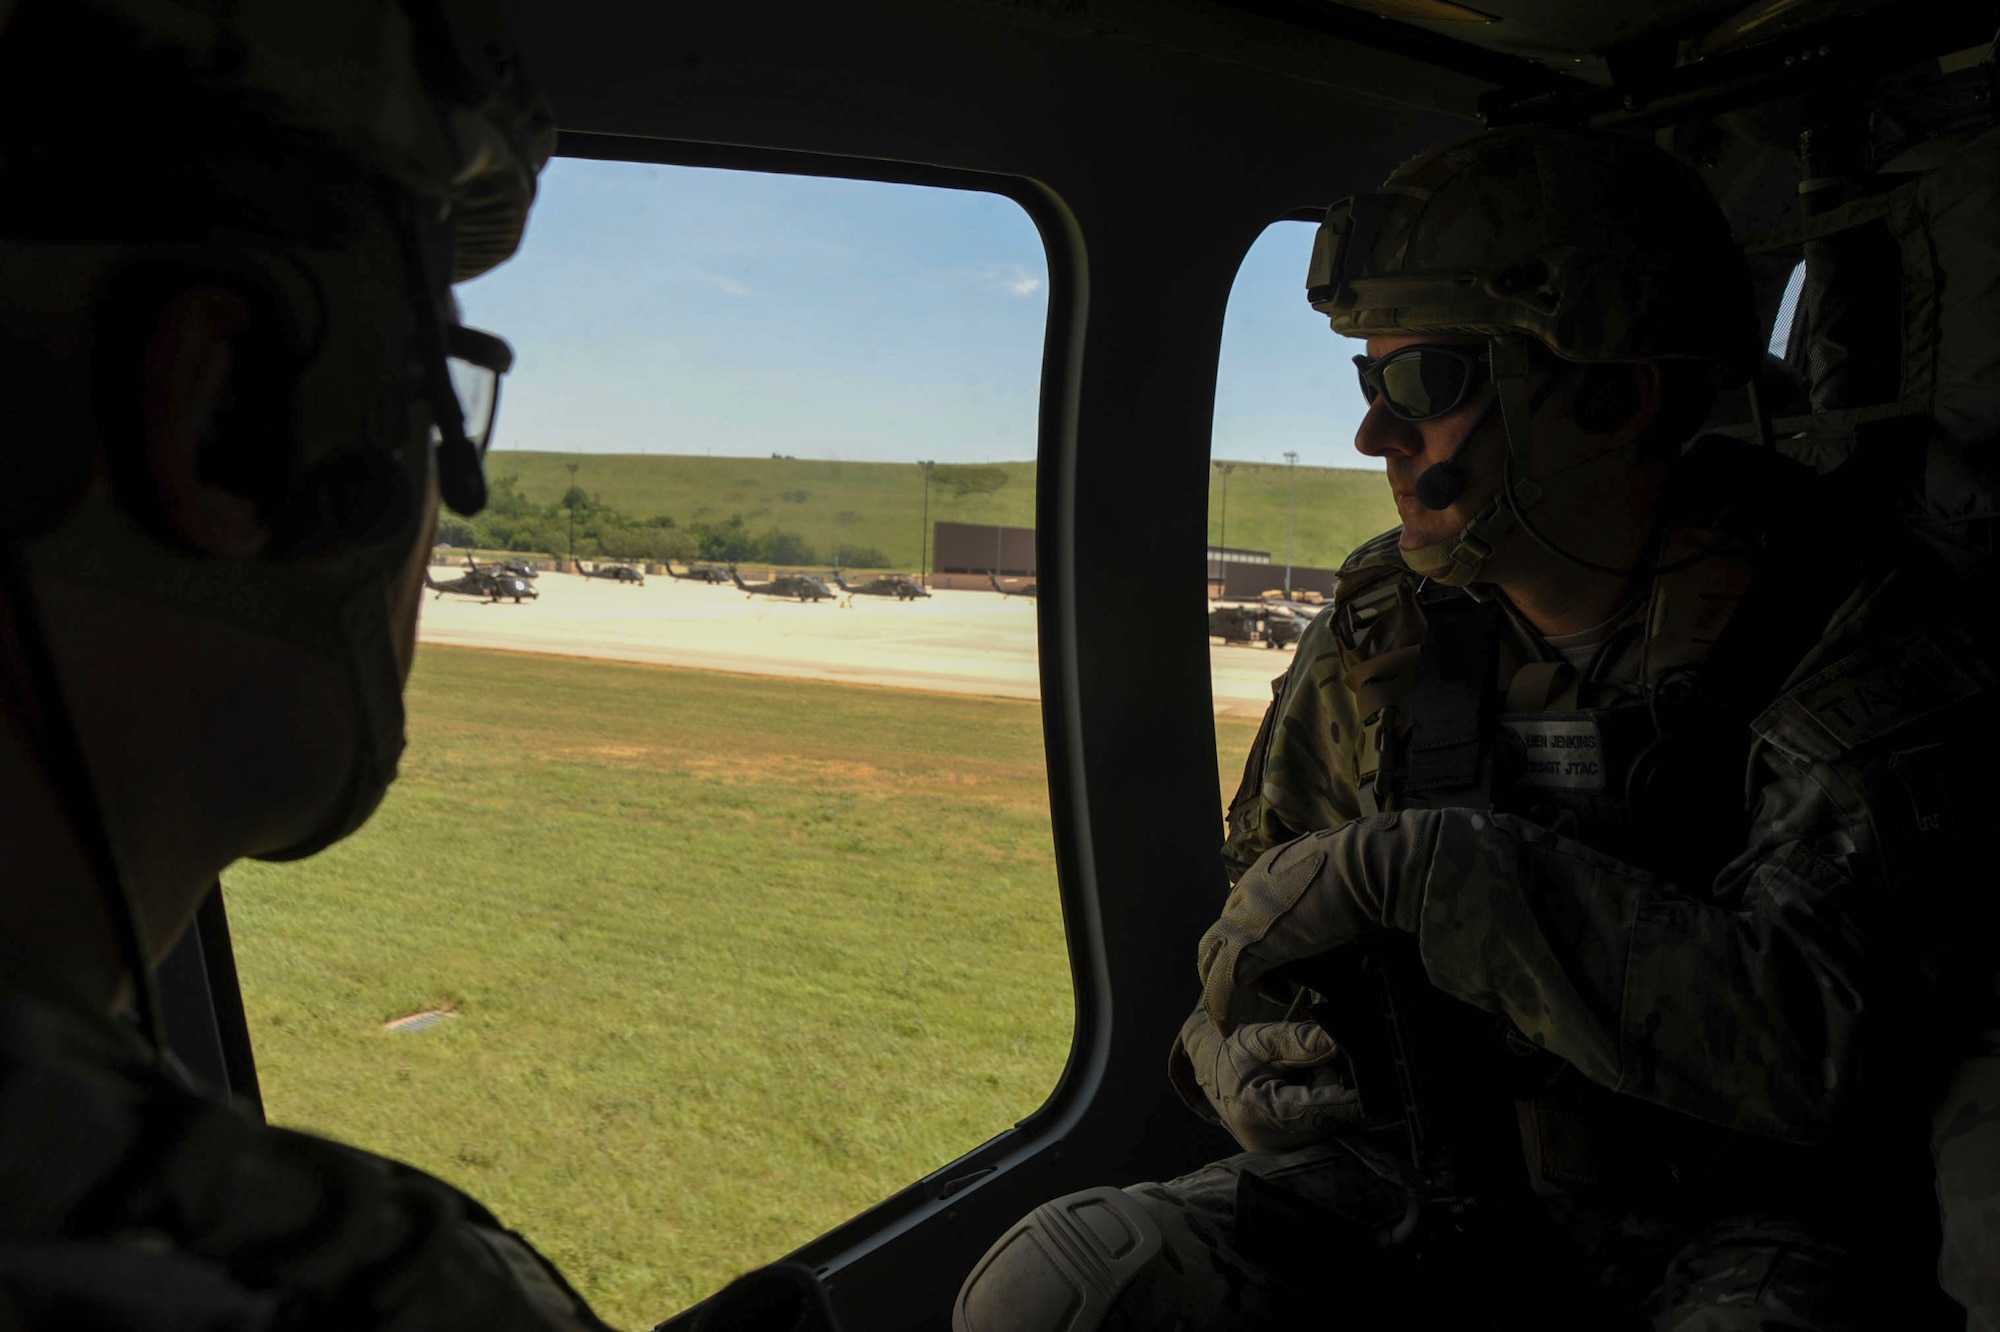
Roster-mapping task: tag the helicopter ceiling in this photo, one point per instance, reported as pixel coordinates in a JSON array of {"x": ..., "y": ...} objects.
[{"x": 1646, "y": 62}]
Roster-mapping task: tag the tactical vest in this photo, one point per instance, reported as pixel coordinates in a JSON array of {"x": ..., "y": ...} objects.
[{"x": 1463, "y": 706}]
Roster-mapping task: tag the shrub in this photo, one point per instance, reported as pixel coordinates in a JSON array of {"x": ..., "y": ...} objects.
[
  {"x": 785, "y": 548},
  {"x": 863, "y": 557}
]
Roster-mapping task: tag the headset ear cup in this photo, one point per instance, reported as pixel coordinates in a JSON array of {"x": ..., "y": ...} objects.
[{"x": 1606, "y": 397}]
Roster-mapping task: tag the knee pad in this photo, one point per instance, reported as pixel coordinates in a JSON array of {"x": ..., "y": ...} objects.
[{"x": 1061, "y": 1267}]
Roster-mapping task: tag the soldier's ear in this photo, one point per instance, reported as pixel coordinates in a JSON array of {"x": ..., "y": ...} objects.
[
  {"x": 192, "y": 385},
  {"x": 195, "y": 372}
]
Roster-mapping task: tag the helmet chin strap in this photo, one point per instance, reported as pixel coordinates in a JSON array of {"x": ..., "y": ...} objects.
[
  {"x": 376, "y": 683},
  {"x": 1459, "y": 561},
  {"x": 43, "y": 715}
]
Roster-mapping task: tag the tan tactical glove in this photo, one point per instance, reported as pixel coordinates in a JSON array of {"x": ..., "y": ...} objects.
[
  {"x": 1312, "y": 895},
  {"x": 1271, "y": 1084}
]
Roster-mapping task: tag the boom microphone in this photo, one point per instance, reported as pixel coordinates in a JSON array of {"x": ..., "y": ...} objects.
[{"x": 1443, "y": 482}]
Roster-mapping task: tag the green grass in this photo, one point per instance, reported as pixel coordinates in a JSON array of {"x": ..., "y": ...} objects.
[
  {"x": 1337, "y": 508},
  {"x": 881, "y": 504},
  {"x": 732, "y": 958},
  {"x": 830, "y": 504},
  {"x": 1233, "y": 737}
]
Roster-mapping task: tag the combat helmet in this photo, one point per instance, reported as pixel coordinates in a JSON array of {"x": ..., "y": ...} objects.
[
  {"x": 1597, "y": 247},
  {"x": 342, "y": 163}
]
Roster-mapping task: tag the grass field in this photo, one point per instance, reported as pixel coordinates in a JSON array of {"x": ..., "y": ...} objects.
[
  {"x": 732, "y": 958},
  {"x": 1337, "y": 508},
  {"x": 881, "y": 504}
]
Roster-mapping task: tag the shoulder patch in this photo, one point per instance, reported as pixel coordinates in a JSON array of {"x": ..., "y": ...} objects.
[{"x": 1864, "y": 696}]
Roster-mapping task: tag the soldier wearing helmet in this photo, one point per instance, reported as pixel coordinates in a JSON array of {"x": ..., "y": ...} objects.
[
  {"x": 237, "y": 387},
  {"x": 1595, "y": 865}
]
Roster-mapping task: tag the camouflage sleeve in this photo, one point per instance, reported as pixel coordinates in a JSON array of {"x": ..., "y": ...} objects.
[
  {"x": 1965, "y": 1138},
  {"x": 1781, "y": 997},
  {"x": 1299, "y": 775},
  {"x": 203, "y": 1217}
]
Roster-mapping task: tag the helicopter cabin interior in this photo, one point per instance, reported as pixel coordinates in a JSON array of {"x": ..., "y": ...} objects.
[{"x": 1152, "y": 142}]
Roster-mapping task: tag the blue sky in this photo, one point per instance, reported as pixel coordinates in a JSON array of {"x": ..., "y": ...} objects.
[
  {"x": 1286, "y": 380},
  {"x": 684, "y": 310}
]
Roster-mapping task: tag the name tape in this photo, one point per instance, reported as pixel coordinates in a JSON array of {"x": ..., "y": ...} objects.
[{"x": 1558, "y": 751}]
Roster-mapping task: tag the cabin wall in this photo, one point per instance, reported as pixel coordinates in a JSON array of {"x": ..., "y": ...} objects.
[{"x": 1152, "y": 143}]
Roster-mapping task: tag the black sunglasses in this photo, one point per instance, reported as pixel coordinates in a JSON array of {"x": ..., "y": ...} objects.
[
  {"x": 1423, "y": 382},
  {"x": 476, "y": 361}
]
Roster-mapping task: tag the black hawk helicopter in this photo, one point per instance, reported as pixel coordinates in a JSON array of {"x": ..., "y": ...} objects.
[
  {"x": 1256, "y": 622},
  {"x": 1302, "y": 605},
  {"x": 618, "y": 573},
  {"x": 804, "y": 587},
  {"x": 1026, "y": 589},
  {"x": 900, "y": 586},
  {"x": 699, "y": 573},
  {"x": 493, "y": 583}
]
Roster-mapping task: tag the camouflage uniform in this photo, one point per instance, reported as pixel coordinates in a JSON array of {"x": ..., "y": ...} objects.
[
  {"x": 1676, "y": 894},
  {"x": 1717, "y": 1029},
  {"x": 133, "y": 1201},
  {"x": 1710, "y": 1043},
  {"x": 1965, "y": 1128}
]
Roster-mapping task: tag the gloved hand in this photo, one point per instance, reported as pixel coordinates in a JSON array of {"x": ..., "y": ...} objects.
[
  {"x": 1271, "y": 1084},
  {"x": 1312, "y": 895}
]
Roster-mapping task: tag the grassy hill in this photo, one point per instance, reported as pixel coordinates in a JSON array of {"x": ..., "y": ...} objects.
[
  {"x": 1338, "y": 508},
  {"x": 836, "y": 504}
]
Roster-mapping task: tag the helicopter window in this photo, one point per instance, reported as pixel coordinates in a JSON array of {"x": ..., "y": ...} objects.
[
  {"x": 1288, "y": 497},
  {"x": 1788, "y": 309},
  {"x": 706, "y": 915}
]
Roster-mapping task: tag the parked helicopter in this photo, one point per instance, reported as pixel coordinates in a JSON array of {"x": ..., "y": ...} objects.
[
  {"x": 900, "y": 586},
  {"x": 493, "y": 583},
  {"x": 1301, "y": 605},
  {"x": 1274, "y": 626},
  {"x": 699, "y": 573},
  {"x": 1026, "y": 589},
  {"x": 805, "y": 587},
  {"x": 617, "y": 573}
]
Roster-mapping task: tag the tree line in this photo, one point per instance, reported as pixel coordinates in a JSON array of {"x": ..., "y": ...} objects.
[{"x": 512, "y": 521}]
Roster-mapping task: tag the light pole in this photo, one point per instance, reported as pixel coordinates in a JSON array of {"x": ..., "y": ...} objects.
[
  {"x": 923, "y": 533},
  {"x": 1291, "y": 476},
  {"x": 569, "y": 502},
  {"x": 1222, "y": 541}
]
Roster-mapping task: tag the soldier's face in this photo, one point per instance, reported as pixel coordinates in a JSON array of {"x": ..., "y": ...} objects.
[{"x": 1410, "y": 448}]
